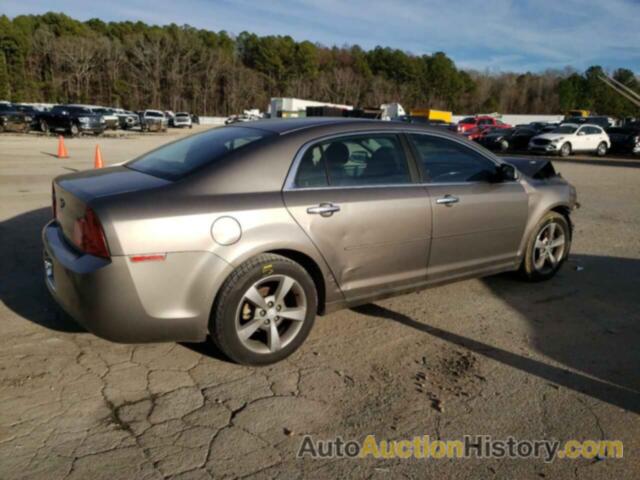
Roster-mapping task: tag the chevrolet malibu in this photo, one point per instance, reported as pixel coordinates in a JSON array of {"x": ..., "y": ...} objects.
[{"x": 243, "y": 234}]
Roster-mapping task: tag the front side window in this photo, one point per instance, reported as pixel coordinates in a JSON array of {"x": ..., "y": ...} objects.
[
  {"x": 446, "y": 161},
  {"x": 358, "y": 160},
  {"x": 177, "y": 159}
]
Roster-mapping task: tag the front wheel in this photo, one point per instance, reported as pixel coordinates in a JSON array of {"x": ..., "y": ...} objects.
[
  {"x": 74, "y": 130},
  {"x": 602, "y": 149},
  {"x": 547, "y": 248},
  {"x": 264, "y": 310},
  {"x": 44, "y": 126},
  {"x": 565, "y": 150}
]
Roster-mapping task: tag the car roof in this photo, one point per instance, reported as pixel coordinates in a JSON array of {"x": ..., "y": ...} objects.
[{"x": 309, "y": 124}]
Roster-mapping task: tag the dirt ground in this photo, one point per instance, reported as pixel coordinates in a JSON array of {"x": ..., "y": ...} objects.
[{"x": 555, "y": 360}]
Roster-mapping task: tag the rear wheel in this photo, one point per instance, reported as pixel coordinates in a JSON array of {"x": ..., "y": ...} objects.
[
  {"x": 44, "y": 126},
  {"x": 565, "y": 149},
  {"x": 547, "y": 249},
  {"x": 264, "y": 310},
  {"x": 74, "y": 130},
  {"x": 602, "y": 149}
]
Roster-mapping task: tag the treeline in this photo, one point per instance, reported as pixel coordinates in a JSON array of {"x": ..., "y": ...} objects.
[{"x": 54, "y": 58}]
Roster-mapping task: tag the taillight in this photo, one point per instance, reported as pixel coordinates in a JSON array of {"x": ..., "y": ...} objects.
[
  {"x": 54, "y": 208},
  {"x": 89, "y": 236}
]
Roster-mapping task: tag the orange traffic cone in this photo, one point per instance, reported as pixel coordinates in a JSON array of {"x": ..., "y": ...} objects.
[
  {"x": 97, "y": 161},
  {"x": 62, "y": 150}
]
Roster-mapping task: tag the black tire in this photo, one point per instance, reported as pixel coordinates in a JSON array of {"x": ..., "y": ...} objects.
[
  {"x": 528, "y": 270},
  {"x": 44, "y": 126},
  {"x": 601, "y": 151},
  {"x": 565, "y": 149},
  {"x": 222, "y": 324},
  {"x": 74, "y": 130}
]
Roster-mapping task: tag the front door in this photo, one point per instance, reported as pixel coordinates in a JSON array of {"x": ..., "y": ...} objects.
[
  {"x": 359, "y": 203},
  {"x": 478, "y": 222}
]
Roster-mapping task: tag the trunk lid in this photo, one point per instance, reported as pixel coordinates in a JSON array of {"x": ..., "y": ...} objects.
[{"x": 73, "y": 192}]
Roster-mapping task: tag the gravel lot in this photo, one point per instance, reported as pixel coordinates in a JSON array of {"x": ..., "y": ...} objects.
[{"x": 484, "y": 357}]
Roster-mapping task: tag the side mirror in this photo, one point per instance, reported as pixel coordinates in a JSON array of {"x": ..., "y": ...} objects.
[
  {"x": 507, "y": 173},
  {"x": 580, "y": 134}
]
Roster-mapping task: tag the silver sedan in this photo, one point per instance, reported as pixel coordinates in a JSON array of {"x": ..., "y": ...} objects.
[{"x": 243, "y": 234}]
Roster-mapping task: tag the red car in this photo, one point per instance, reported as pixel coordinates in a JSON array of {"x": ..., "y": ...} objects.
[
  {"x": 470, "y": 123},
  {"x": 476, "y": 133}
]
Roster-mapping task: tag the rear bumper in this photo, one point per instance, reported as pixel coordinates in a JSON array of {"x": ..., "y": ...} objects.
[{"x": 125, "y": 302}]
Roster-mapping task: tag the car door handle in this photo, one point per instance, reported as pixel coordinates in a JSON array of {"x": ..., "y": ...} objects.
[
  {"x": 324, "y": 209},
  {"x": 447, "y": 200}
]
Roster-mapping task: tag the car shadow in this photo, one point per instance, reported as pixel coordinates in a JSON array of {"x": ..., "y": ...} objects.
[
  {"x": 585, "y": 320},
  {"x": 22, "y": 288}
]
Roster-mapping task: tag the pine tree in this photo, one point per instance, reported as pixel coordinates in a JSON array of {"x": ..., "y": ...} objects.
[{"x": 4, "y": 78}]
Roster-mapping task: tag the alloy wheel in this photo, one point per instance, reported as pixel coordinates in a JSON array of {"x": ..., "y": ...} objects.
[
  {"x": 271, "y": 314},
  {"x": 602, "y": 149},
  {"x": 549, "y": 248}
]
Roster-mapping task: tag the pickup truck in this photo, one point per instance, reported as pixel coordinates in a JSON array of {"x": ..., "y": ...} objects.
[
  {"x": 153, "y": 121},
  {"x": 71, "y": 119},
  {"x": 12, "y": 119}
]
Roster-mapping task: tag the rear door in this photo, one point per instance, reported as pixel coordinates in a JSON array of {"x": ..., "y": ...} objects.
[
  {"x": 358, "y": 199},
  {"x": 478, "y": 223}
]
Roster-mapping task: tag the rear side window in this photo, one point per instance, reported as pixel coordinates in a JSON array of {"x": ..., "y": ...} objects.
[
  {"x": 445, "y": 161},
  {"x": 359, "y": 160},
  {"x": 177, "y": 159}
]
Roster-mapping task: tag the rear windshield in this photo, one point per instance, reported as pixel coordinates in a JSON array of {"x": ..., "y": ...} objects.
[
  {"x": 468, "y": 120},
  {"x": 178, "y": 159}
]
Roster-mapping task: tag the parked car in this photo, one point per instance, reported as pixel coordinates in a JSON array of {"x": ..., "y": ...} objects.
[
  {"x": 126, "y": 119},
  {"x": 182, "y": 119},
  {"x": 244, "y": 117},
  {"x": 469, "y": 123},
  {"x": 111, "y": 120},
  {"x": 13, "y": 120},
  {"x": 71, "y": 119},
  {"x": 625, "y": 139},
  {"x": 31, "y": 112},
  {"x": 153, "y": 121},
  {"x": 505, "y": 139},
  {"x": 244, "y": 233},
  {"x": 170, "y": 118},
  {"x": 571, "y": 137}
]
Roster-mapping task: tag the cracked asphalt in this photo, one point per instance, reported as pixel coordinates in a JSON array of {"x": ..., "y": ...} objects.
[{"x": 555, "y": 360}]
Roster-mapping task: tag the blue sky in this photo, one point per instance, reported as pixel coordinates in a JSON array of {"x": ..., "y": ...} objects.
[{"x": 497, "y": 35}]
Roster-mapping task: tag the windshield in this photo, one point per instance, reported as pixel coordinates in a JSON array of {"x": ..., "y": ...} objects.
[
  {"x": 182, "y": 114},
  {"x": 468, "y": 120},
  {"x": 565, "y": 129},
  {"x": 154, "y": 114},
  {"x": 180, "y": 158}
]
